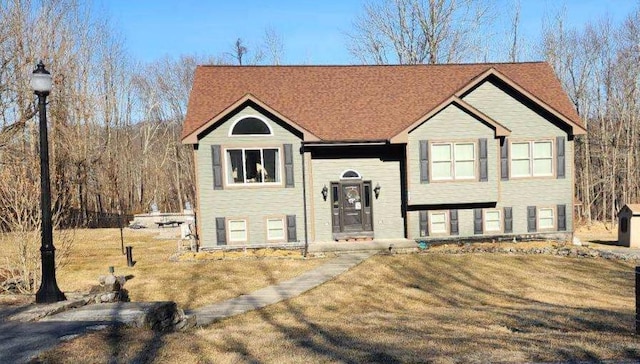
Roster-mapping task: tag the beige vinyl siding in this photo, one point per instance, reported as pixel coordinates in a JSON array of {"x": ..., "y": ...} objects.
[
  {"x": 517, "y": 193},
  {"x": 452, "y": 125},
  {"x": 253, "y": 202},
  {"x": 387, "y": 212},
  {"x": 526, "y": 124}
]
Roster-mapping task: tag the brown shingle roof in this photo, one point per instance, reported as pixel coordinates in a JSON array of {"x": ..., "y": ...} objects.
[{"x": 357, "y": 102}]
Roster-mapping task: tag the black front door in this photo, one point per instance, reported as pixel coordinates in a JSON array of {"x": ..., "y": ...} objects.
[{"x": 351, "y": 207}]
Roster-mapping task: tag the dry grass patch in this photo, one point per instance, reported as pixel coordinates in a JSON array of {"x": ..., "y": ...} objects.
[
  {"x": 415, "y": 308},
  {"x": 155, "y": 278}
]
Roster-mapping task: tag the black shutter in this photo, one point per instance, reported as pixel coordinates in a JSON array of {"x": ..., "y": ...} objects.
[
  {"x": 531, "y": 219},
  {"x": 484, "y": 173},
  {"x": 424, "y": 224},
  {"x": 453, "y": 222},
  {"x": 288, "y": 165},
  {"x": 477, "y": 221},
  {"x": 424, "y": 161},
  {"x": 216, "y": 160},
  {"x": 560, "y": 159},
  {"x": 562, "y": 217},
  {"x": 508, "y": 220},
  {"x": 291, "y": 228},
  {"x": 504, "y": 159},
  {"x": 221, "y": 231}
]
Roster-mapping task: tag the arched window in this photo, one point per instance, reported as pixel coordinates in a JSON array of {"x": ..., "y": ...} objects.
[
  {"x": 250, "y": 126},
  {"x": 350, "y": 174}
]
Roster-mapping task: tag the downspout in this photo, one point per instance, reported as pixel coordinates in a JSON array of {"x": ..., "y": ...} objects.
[{"x": 304, "y": 204}]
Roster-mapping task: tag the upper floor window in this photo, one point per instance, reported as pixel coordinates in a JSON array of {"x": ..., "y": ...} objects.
[
  {"x": 532, "y": 159},
  {"x": 453, "y": 161},
  {"x": 253, "y": 165},
  {"x": 251, "y": 125}
]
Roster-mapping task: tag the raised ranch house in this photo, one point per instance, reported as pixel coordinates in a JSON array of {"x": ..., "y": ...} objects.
[{"x": 304, "y": 154}]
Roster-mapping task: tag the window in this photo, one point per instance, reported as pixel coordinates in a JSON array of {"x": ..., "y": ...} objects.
[
  {"x": 275, "y": 229},
  {"x": 438, "y": 222},
  {"x": 453, "y": 161},
  {"x": 531, "y": 159},
  {"x": 492, "y": 221},
  {"x": 250, "y": 126},
  {"x": 350, "y": 174},
  {"x": 253, "y": 165},
  {"x": 545, "y": 218},
  {"x": 237, "y": 230}
]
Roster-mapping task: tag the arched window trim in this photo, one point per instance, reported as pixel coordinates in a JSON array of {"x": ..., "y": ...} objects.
[
  {"x": 259, "y": 117},
  {"x": 350, "y": 170}
]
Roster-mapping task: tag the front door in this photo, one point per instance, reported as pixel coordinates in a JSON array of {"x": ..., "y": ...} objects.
[
  {"x": 351, "y": 209},
  {"x": 351, "y": 205}
]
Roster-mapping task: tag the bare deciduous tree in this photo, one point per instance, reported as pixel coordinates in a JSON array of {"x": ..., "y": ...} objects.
[{"x": 418, "y": 31}]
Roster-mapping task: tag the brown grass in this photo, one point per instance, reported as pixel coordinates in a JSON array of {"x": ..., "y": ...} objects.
[
  {"x": 154, "y": 278},
  {"x": 413, "y": 308}
]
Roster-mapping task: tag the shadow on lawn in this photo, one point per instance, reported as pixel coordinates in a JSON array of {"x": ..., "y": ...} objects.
[{"x": 492, "y": 317}]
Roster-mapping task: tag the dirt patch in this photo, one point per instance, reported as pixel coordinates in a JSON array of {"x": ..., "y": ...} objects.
[{"x": 11, "y": 300}]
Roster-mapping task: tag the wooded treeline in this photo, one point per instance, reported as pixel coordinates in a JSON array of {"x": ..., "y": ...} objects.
[{"x": 115, "y": 123}]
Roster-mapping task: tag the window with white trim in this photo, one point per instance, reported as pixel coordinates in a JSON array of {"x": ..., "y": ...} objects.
[
  {"x": 438, "y": 222},
  {"x": 250, "y": 125},
  {"x": 253, "y": 165},
  {"x": 237, "y": 230},
  {"x": 532, "y": 159},
  {"x": 546, "y": 218},
  {"x": 275, "y": 229},
  {"x": 452, "y": 161},
  {"x": 492, "y": 221}
]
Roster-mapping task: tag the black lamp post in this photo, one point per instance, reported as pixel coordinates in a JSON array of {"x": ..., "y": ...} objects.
[{"x": 49, "y": 291}]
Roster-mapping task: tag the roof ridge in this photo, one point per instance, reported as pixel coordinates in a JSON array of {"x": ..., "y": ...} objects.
[{"x": 421, "y": 65}]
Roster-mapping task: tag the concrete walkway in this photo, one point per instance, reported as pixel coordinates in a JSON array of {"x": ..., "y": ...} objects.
[
  {"x": 281, "y": 291},
  {"x": 20, "y": 341}
]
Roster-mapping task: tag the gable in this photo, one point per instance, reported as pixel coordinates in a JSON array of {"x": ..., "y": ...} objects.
[
  {"x": 248, "y": 101},
  {"x": 221, "y": 132},
  {"x": 516, "y": 112},
  {"x": 456, "y": 112}
]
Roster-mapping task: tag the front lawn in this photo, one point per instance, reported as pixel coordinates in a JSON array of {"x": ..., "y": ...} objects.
[{"x": 412, "y": 308}]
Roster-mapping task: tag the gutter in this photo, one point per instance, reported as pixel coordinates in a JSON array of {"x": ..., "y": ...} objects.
[
  {"x": 346, "y": 143},
  {"x": 304, "y": 203}
]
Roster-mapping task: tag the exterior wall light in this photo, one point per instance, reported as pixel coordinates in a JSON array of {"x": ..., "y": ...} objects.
[
  {"x": 325, "y": 192},
  {"x": 376, "y": 190}
]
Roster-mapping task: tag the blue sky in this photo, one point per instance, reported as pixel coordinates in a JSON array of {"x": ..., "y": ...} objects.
[{"x": 313, "y": 32}]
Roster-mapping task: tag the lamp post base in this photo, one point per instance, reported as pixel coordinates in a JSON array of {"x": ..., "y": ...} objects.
[
  {"x": 49, "y": 291},
  {"x": 50, "y": 296}
]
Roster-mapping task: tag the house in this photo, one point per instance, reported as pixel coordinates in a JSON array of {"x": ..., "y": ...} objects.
[{"x": 305, "y": 154}]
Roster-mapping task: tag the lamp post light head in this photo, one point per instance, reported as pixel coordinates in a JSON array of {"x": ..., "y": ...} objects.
[{"x": 41, "y": 80}]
